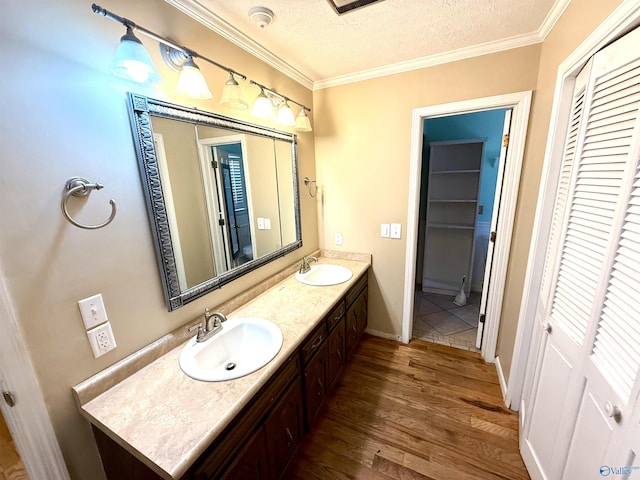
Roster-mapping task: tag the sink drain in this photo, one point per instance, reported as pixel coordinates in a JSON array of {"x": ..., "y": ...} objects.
[{"x": 230, "y": 366}]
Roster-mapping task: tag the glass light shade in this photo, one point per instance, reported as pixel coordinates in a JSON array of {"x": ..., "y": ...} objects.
[
  {"x": 191, "y": 82},
  {"x": 262, "y": 107},
  {"x": 285, "y": 116},
  {"x": 232, "y": 95},
  {"x": 133, "y": 62},
  {"x": 303, "y": 124}
]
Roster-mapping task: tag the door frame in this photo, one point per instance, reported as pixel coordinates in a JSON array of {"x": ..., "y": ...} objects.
[
  {"x": 620, "y": 21},
  {"x": 520, "y": 102},
  {"x": 28, "y": 420}
]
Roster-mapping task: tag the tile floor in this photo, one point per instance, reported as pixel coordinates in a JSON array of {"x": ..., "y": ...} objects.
[{"x": 437, "y": 319}]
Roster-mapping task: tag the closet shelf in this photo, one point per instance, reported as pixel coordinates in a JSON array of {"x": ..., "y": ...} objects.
[
  {"x": 448, "y": 172},
  {"x": 459, "y": 226}
]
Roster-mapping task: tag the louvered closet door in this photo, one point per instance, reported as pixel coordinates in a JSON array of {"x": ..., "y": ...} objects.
[
  {"x": 559, "y": 353},
  {"x": 587, "y": 379}
]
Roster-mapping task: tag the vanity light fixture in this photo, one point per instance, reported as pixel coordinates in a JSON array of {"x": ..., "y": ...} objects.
[
  {"x": 191, "y": 80},
  {"x": 269, "y": 100},
  {"x": 232, "y": 95},
  {"x": 303, "y": 124},
  {"x": 132, "y": 61},
  {"x": 285, "y": 115},
  {"x": 262, "y": 106}
]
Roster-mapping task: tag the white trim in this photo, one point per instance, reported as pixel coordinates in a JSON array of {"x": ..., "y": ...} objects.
[
  {"x": 213, "y": 22},
  {"x": 381, "y": 334},
  {"x": 521, "y": 103},
  {"x": 552, "y": 18},
  {"x": 503, "y": 382},
  {"x": 624, "y": 18},
  {"x": 486, "y": 48},
  {"x": 28, "y": 420}
]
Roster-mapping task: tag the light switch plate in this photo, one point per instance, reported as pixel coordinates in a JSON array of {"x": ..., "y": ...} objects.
[
  {"x": 396, "y": 230},
  {"x": 93, "y": 311},
  {"x": 101, "y": 340},
  {"x": 384, "y": 230},
  {"x": 260, "y": 223}
]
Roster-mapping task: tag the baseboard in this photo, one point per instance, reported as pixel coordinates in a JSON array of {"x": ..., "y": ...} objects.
[
  {"x": 381, "y": 334},
  {"x": 503, "y": 382}
]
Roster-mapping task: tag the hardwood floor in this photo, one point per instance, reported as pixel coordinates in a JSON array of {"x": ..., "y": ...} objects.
[
  {"x": 417, "y": 411},
  {"x": 11, "y": 467}
]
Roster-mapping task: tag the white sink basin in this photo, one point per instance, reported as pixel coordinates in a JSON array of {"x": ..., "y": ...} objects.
[
  {"x": 325, "y": 274},
  {"x": 242, "y": 346}
]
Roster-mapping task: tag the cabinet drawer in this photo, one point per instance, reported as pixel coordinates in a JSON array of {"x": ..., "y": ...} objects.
[
  {"x": 313, "y": 342},
  {"x": 335, "y": 315}
]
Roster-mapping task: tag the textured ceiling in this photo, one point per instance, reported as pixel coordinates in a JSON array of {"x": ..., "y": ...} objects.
[{"x": 309, "y": 36}]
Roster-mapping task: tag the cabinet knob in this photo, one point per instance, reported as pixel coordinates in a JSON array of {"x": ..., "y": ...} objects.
[{"x": 546, "y": 326}]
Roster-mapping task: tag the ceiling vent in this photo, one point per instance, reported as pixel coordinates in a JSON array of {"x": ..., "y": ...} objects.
[{"x": 345, "y": 6}]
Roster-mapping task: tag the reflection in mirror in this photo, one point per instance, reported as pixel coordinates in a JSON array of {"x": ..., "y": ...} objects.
[{"x": 222, "y": 195}]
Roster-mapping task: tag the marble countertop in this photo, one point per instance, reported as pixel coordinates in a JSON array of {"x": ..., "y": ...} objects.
[{"x": 165, "y": 418}]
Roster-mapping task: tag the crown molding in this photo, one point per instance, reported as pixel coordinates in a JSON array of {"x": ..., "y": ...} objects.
[
  {"x": 206, "y": 17},
  {"x": 431, "y": 60},
  {"x": 552, "y": 17}
]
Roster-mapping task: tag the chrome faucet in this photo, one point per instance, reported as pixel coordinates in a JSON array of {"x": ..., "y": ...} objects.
[
  {"x": 305, "y": 267},
  {"x": 212, "y": 324}
]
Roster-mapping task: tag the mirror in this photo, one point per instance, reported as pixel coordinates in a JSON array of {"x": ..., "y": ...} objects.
[{"x": 222, "y": 194}]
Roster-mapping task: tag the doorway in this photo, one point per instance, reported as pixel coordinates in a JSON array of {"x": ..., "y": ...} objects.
[
  {"x": 461, "y": 162},
  {"x": 520, "y": 103}
]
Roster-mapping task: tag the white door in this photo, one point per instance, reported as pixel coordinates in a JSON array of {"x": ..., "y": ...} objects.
[
  {"x": 585, "y": 379},
  {"x": 494, "y": 225}
]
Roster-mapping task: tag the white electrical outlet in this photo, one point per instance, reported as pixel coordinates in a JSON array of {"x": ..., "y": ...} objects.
[
  {"x": 384, "y": 230},
  {"x": 396, "y": 230},
  {"x": 260, "y": 223},
  {"x": 93, "y": 311},
  {"x": 337, "y": 239},
  {"x": 101, "y": 339}
]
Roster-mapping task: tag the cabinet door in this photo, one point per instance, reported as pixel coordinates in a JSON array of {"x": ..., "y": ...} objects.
[
  {"x": 356, "y": 320},
  {"x": 284, "y": 430},
  {"x": 315, "y": 383},
  {"x": 252, "y": 462},
  {"x": 336, "y": 344},
  {"x": 362, "y": 312}
]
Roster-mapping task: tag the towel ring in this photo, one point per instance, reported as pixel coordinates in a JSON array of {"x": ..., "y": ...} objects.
[
  {"x": 308, "y": 183},
  {"x": 80, "y": 187}
]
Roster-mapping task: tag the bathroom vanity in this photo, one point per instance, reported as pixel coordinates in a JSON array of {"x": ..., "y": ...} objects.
[{"x": 151, "y": 421}]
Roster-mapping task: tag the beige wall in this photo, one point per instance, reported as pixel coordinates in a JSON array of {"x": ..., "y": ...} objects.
[
  {"x": 58, "y": 85},
  {"x": 578, "y": 20},
  {"x": 363, "y": 136}
]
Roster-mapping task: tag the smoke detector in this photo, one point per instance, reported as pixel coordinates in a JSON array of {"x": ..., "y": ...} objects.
[{"x": 261, "y": 16}]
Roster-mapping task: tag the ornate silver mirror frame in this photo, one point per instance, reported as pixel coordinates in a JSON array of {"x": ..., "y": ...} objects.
[{"x": 141, "y": 109}]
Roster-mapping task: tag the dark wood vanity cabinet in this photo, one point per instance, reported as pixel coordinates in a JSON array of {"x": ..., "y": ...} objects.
[
  {"x": 260, "y": 443},
  {"x": 356, "y": 319},
  {"x": 284, "y": 430},
  {"x": 252, "y": 461}
]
